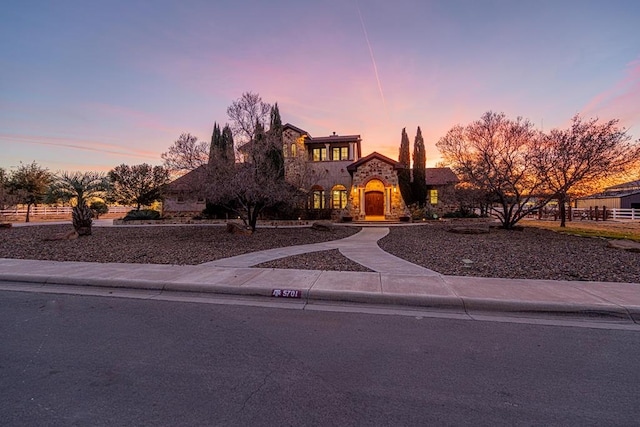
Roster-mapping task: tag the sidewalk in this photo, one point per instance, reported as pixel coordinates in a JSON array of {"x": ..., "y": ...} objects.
[{"x": 394, "y": 282}]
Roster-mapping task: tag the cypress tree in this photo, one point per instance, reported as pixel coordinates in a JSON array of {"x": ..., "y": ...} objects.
[
  {"x": 419, "y": 185},
  {"x": 275, "y": 139},
  {"x": 215, "y": 143},
  {"x": 226, "y": 143},
  {"x": 404, "y": 175}
]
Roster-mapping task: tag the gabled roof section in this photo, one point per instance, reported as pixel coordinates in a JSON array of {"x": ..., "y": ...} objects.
[
  {"x": 297, "y": 129},
  {"x": 632, "y": 185},
  {"x": 190, "y": 181},
  {"x": 613, "y": 194},
  {"x": 375, "y": 155},
  {"x": 440, "y": 176}
]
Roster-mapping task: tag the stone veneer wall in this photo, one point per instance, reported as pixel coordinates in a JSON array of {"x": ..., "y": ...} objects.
[{"x": 376, "y": 169}]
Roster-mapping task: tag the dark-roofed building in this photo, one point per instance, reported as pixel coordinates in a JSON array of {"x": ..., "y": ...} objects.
[{"x": 621, "y": 196}]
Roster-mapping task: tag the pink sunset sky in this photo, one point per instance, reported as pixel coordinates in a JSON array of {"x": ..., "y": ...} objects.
[{"x": 90, "y": 85}]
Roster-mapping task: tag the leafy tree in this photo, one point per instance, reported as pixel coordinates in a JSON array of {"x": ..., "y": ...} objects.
[
  {"x": 80, "y": 188},
  {"x": 5, "y": 197},
  {"x": 99, "y": 208},
  {"x": 419, "y": 185},
  {"x": 245, "y": 113},
  {"x": 404, "y": 175},
  {"x": 186, "y": 154},
  {"x": 138, "y": 184},
  {"x": 584, "y": 153},
  {"x": 29, "y": 184},
  {"x": 497, "y": 156}
]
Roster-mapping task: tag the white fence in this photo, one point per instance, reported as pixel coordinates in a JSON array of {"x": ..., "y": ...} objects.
[
  {"x": 625, "y": 214},
  {"x": 55, "y": 210}
]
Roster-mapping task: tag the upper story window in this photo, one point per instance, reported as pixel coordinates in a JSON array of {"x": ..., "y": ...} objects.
[
  {"x": 340, "y": 153},
  {"x": 319, "y": 154},
  {"x": 294, "y": 150}
]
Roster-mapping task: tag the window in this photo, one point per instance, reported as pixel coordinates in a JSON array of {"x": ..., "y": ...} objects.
[
  {"x": 319, "y": 154},
  {"x": 294, "y": 150},
  {"x": 317, "y": 201},
  {"x": 285, "y": 150},
  {"x": 339, "y": 197},
  {"x": 433, "y": 197},
  {"x": 340, "y": 153}
]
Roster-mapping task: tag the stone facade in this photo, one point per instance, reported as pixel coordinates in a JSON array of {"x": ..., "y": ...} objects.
[
  {"x": 334, "y": 175},
  {"x": 376, "y": 174}
]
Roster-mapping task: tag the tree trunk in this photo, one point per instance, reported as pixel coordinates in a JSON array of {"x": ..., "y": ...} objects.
[
  {"x": 563, "y": 211},
  {"x": 28, "y": 212},
  {"x": 81, "y": 217}
]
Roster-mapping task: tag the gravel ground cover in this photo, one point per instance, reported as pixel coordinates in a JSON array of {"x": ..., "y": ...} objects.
[
  {"x": 153, "y": 245},
  {"x": 331, "y": 260},
  {"x": 529, "y": 254}
]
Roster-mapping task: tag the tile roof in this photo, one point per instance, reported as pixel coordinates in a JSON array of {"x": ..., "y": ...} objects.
[{"x": 440, "y": 176}]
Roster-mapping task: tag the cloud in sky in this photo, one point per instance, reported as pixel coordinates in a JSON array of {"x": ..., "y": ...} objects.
[{"x": 92, "y": 85}]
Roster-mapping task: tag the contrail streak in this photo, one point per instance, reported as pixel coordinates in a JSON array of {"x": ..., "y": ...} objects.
[{"x": 373, "y": 59}]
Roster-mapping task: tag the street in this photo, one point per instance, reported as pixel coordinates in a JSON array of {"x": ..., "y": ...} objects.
[{"x": 83, "y": 360}]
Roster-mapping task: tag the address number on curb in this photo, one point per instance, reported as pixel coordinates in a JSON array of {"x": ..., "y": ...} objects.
[{"x": 286, "y": 293}]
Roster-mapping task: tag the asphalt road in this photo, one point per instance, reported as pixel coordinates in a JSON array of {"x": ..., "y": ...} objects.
[{"x": 91, "y": 361}]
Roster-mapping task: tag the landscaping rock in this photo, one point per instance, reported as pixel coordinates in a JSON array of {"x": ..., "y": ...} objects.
[
  {"x": 322, "y": 226},
  {"x": 469, "y": 230},
  {"x": 625, "y": 245},
  {"x": 71, "y": 235},
  {"x": 234, "y": 228}
]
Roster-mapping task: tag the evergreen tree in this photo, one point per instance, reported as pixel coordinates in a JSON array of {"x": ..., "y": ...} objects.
[
  {"x": 226, "y": 143},
  {"x": 419, "y": 185},
  {"x": 404, "y": 175},
  {"x": 274, "y": 152},
  {"x": 216, "y": 141}
]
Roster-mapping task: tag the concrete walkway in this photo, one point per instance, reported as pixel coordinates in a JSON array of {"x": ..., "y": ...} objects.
[
  {"x": 362, "y": 248},
  {"x": 395, "y": 282}
]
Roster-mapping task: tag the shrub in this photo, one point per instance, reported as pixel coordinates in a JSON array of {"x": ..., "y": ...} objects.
[
  {"x": 460, "y": 214},
  {"x": 143, "y": 214},
  {"x": 99, "y": 208}
]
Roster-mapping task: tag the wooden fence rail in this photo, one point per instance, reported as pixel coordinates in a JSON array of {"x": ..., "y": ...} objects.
[{"x": 56, "y": 210}]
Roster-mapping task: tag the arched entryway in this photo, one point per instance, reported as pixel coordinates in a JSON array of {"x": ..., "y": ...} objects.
[{"x": 374, "y": 199}]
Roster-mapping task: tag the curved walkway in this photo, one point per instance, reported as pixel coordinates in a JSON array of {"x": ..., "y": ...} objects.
[{"x": 362, "y": 248}]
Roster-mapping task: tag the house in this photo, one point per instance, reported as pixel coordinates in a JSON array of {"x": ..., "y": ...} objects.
[
  {"x": 335, "y": 176},
  {"x": 621, "y": 196}
]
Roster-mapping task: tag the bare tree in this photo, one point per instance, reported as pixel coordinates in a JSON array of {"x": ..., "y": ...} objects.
[
  {"x": 186, "y": 154},
  {"x": 245, "y": 113},
  {"x": 137, "y": 184},
  {"x": 248, "y": 188},
  {"x": 584, "y": 153},
  {"x": 496, "y": 154}
]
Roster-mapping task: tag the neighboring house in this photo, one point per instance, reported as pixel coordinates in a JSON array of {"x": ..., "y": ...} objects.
[
  {"x": 332, "y": 171},
  {"x": 622, "y": 196}
]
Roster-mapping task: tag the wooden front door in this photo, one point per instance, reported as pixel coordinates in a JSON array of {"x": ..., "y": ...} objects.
[{"x": 374, "y": 203}]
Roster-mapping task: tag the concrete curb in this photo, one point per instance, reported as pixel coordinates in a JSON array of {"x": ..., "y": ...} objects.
[{"x": 470, "y": 306}]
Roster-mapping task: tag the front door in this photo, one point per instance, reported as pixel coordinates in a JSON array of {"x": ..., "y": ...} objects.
[{"x": 374, "y": 203}]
